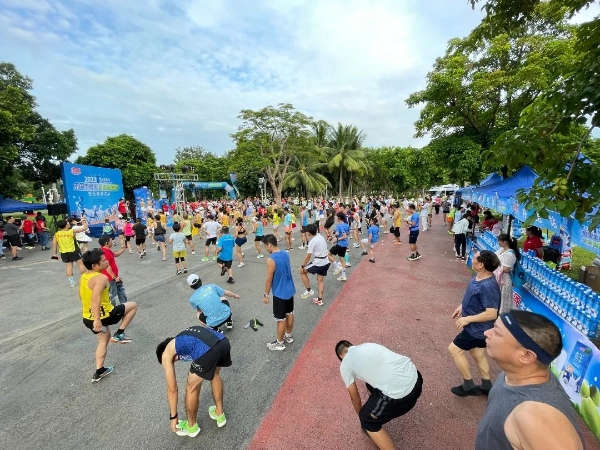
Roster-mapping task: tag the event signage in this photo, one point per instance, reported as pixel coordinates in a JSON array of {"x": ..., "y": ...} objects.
[
  {"x": 586, "y": 237},
  {"x": 92, "y": 192}
]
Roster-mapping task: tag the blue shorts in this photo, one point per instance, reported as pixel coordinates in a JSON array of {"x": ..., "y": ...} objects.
[
  {"x": 240, "y": 241},
  {"x": 159, "y": 237}
]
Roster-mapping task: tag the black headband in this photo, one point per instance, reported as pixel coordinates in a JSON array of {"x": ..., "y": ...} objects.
[{"x": 523, "y": 338}]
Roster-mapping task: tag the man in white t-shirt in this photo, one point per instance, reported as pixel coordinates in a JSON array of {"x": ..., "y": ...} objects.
[
  {"x": 425, "y": 214},
  {"x": 211, "y": 228},
  {"x": 317, "y": 247},
  {"x": 393, "y": 381}
]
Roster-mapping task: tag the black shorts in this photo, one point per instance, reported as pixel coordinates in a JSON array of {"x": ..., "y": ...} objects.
[
  {"x": 218, "y": 356},
  {"x": 14, "y": 240},
  {"x": 466, "y": 342},
  {"x": 303, "y": 230},
  {"x": 212, "y": 241},
  {"x": 197, "y": 225},
  {"x": 113, "y": 318},
  {"x": 140, "y": 241},
  {"x": 188, "y": 237},
  {"x": 336, "y": 250},
  {"x": 70, "y": 257},
  {"x": 281, "y": 308},
  {"x": 317, "y": 270},
  {"x": 128, "y": 238},
  {"x": 258, "y": 238},
  {"x": 225, "y": 263},
  {"x": 328, "y": 224},
  {"x": 397, "y": 232},
  {"x": 412, "y": 237},
  {"x": 380, "y": 409},
  {"x": 239, "y": 241}
]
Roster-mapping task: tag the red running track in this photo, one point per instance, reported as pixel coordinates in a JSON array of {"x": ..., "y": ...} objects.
[{"x": 405, "y": 306}]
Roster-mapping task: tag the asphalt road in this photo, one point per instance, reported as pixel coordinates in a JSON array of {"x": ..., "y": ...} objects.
[{"x": 47, "y": 399}]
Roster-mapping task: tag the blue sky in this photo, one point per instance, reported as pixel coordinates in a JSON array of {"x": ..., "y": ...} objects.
[{"x": 177, "y": 73}]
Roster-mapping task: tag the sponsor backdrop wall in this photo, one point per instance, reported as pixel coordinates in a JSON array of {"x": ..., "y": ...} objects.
[{"x": 92, "y": 192}]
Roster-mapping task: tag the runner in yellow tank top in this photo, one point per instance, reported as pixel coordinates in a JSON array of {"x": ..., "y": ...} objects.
[
  {"x": 186, "y": 228},
  {"x": 64, "y": 242},
  {"x": 397, "y": 223},
  {"x": 98, "y": 312}
]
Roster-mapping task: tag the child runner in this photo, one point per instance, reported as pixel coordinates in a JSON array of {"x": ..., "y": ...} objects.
[
  {"x": 317, "y": 247},
  {"x": 225, "y": 252},
  {"x": 151, "y": 225},
  {"x": 258, "y": 235},
  {"x": 276, "y": 222},
  {"x": 341, "y": 246},
  {"x": 140, "y": 237},
  {"x": 128, "y": 233},
  {"x": 373, "y": 232},
  {"x": 159, "y": 237},
  {"x": 412, "y": 222},
  {"x": 178, "y": 240},
  {"x": 287, "y": 226}
]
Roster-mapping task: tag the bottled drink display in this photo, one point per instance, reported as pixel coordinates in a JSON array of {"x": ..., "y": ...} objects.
[{"x": 575, "y": 302}]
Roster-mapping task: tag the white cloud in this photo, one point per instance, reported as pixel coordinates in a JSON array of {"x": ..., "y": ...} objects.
[{"x": 178, "y": 73}]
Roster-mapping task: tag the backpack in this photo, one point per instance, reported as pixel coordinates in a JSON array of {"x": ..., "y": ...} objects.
[{"x": 519, "y": 276}]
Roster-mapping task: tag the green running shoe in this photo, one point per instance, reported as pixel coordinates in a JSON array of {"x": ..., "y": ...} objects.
[
  {"x": 186, "y": 430},
  {"x": 221, "y": 420}
]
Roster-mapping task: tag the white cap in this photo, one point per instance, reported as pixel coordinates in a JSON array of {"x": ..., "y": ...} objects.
[{"x": 192, "y": 279}]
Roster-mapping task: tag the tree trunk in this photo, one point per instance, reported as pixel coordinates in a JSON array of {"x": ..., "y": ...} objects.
[{"x": 341, "y": 181}]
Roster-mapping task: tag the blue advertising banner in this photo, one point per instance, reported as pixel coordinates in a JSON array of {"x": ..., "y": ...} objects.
[
  {"x": 92, "y": 192},
  {"x": 586, "y": 238},
  {"x": 143, "y": 202}
]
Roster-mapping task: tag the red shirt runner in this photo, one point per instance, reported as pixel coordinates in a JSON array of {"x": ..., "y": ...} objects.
[{"x": 110, "y": 258}]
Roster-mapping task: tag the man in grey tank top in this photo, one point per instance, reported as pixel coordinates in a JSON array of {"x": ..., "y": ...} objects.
[{"x": 527, "y": 407}]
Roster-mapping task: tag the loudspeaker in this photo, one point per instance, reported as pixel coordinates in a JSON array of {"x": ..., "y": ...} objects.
[{"x": 57, "y": 209}]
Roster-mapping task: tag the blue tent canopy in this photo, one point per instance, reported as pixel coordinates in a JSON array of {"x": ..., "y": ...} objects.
[
  {"x": 491, "y": 179},
  {"x": 522, "y": 179},
  {"x": 8, "y": 205}
]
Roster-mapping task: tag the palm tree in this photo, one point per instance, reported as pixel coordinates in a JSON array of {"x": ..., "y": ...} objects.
[
  {"x": 305, "y": 176},
  {"x": 347, "y": 154}
]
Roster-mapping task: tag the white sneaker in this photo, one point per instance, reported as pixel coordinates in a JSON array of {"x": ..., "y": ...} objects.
[
  {"x": 241, "y": 265},
  {"x": 342, "y": 278},
  {"x": 348, "y": 264},
  {"x": 193, "y": 252},
  {"x": 301, "y": 247},
  {"x": 260, "y": 256},
  {"x": 275, "y": 346},
  {"x": 307, "y": 294},
  {"x": 337, "y": 270},
  {"x": 288, "y": 338}
]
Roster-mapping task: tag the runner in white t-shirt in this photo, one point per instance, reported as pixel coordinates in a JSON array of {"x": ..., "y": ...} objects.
[
  {"x": 317, "y": 247},
  {"x": 425, "y": 214},
  {"x": 211, "y": 228}
]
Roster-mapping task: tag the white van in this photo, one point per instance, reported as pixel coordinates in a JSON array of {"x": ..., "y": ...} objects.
[{"x": 440, "y": 191}]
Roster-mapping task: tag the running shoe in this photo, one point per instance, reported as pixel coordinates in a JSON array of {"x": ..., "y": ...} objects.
[
  {"x": 307, "y": 294},
  {"x": 342, "y": 278},
  {"x": 212, "y": 413},
  {"x": 186, "y": 430},
  {"x": 17, "y": 258},
  {"x": 107, "y": 371},
  {"x": 243, "y": 255},
  {"x": 337, "y": 270},
  {"x": 371, "y": 260},
  {"x": 120, "y": 338},
  {"x": 412, "y": 258},
  {"x": 288, "y": 250},
  {"x": 223, "y": 270},
  {"x": 241, "y": 264},
  {"x": 418, "y": 255},
  {"x": 288, "y": 338},
  {"x": 301, "y": 247},
  {"x": 276, "y": 346},
  {"x": 204, "y": 259},
  {"x": 141, "y": 255},
  {"x": 363, "y": 254},
  {"x": 317, "y": 301},
  {"x": 230, "y": 281},
  {"x": 229, "y": 325},
  {"x": 178, "y": 272},
  {"x": 184, "y": 270},
  {"x": 143, "y": 252},
  {"x": 348, "y": 264},
  {"x": 260, "y": 256},
  {"x": 214, "y": 258},
  {"x": 193, "y": 252},
  {"x": 72, "y": 283}
]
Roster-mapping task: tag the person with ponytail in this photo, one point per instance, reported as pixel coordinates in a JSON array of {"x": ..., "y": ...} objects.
[{"x": 508, "y": 254}]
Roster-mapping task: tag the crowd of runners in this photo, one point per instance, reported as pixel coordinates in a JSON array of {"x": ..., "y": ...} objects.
[{"x": 522, "y": 343}]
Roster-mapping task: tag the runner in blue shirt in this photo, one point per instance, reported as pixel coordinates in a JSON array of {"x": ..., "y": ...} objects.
[
  {"x": 225, "y": 253},
  {"x": 412, "y": 222},
  {"x": 209, "y": 301},
  {"x": 371, "y": 240},
  {"x": 303, "y": 225},
  {"x": 342, "y": 230}
]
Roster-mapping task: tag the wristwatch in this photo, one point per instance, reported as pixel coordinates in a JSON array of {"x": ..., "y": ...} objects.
[{"x": 265, "y": 295}]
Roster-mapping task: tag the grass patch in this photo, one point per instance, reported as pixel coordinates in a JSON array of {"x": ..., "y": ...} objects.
[{"x": 580, "y": 257}]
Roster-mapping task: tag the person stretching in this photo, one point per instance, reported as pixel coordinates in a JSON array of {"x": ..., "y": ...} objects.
[
  {"x": 341, "y": 246},
  {"x": 258, "y": 235},
  {"x": 317, "y": 247},
  {"x": 371, "y": 241}
]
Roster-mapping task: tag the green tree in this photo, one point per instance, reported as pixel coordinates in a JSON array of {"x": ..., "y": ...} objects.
[
  {"x": 306, "y": 176},
  {"x": 30, "y": 147},
  {"x": 277, "y": 135},
  {"x": 479, "y": 88},
  {"x": 135, "y": 159},
  {"x": 555, "y": 130},
  {"x": 346, "y": 152}
]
